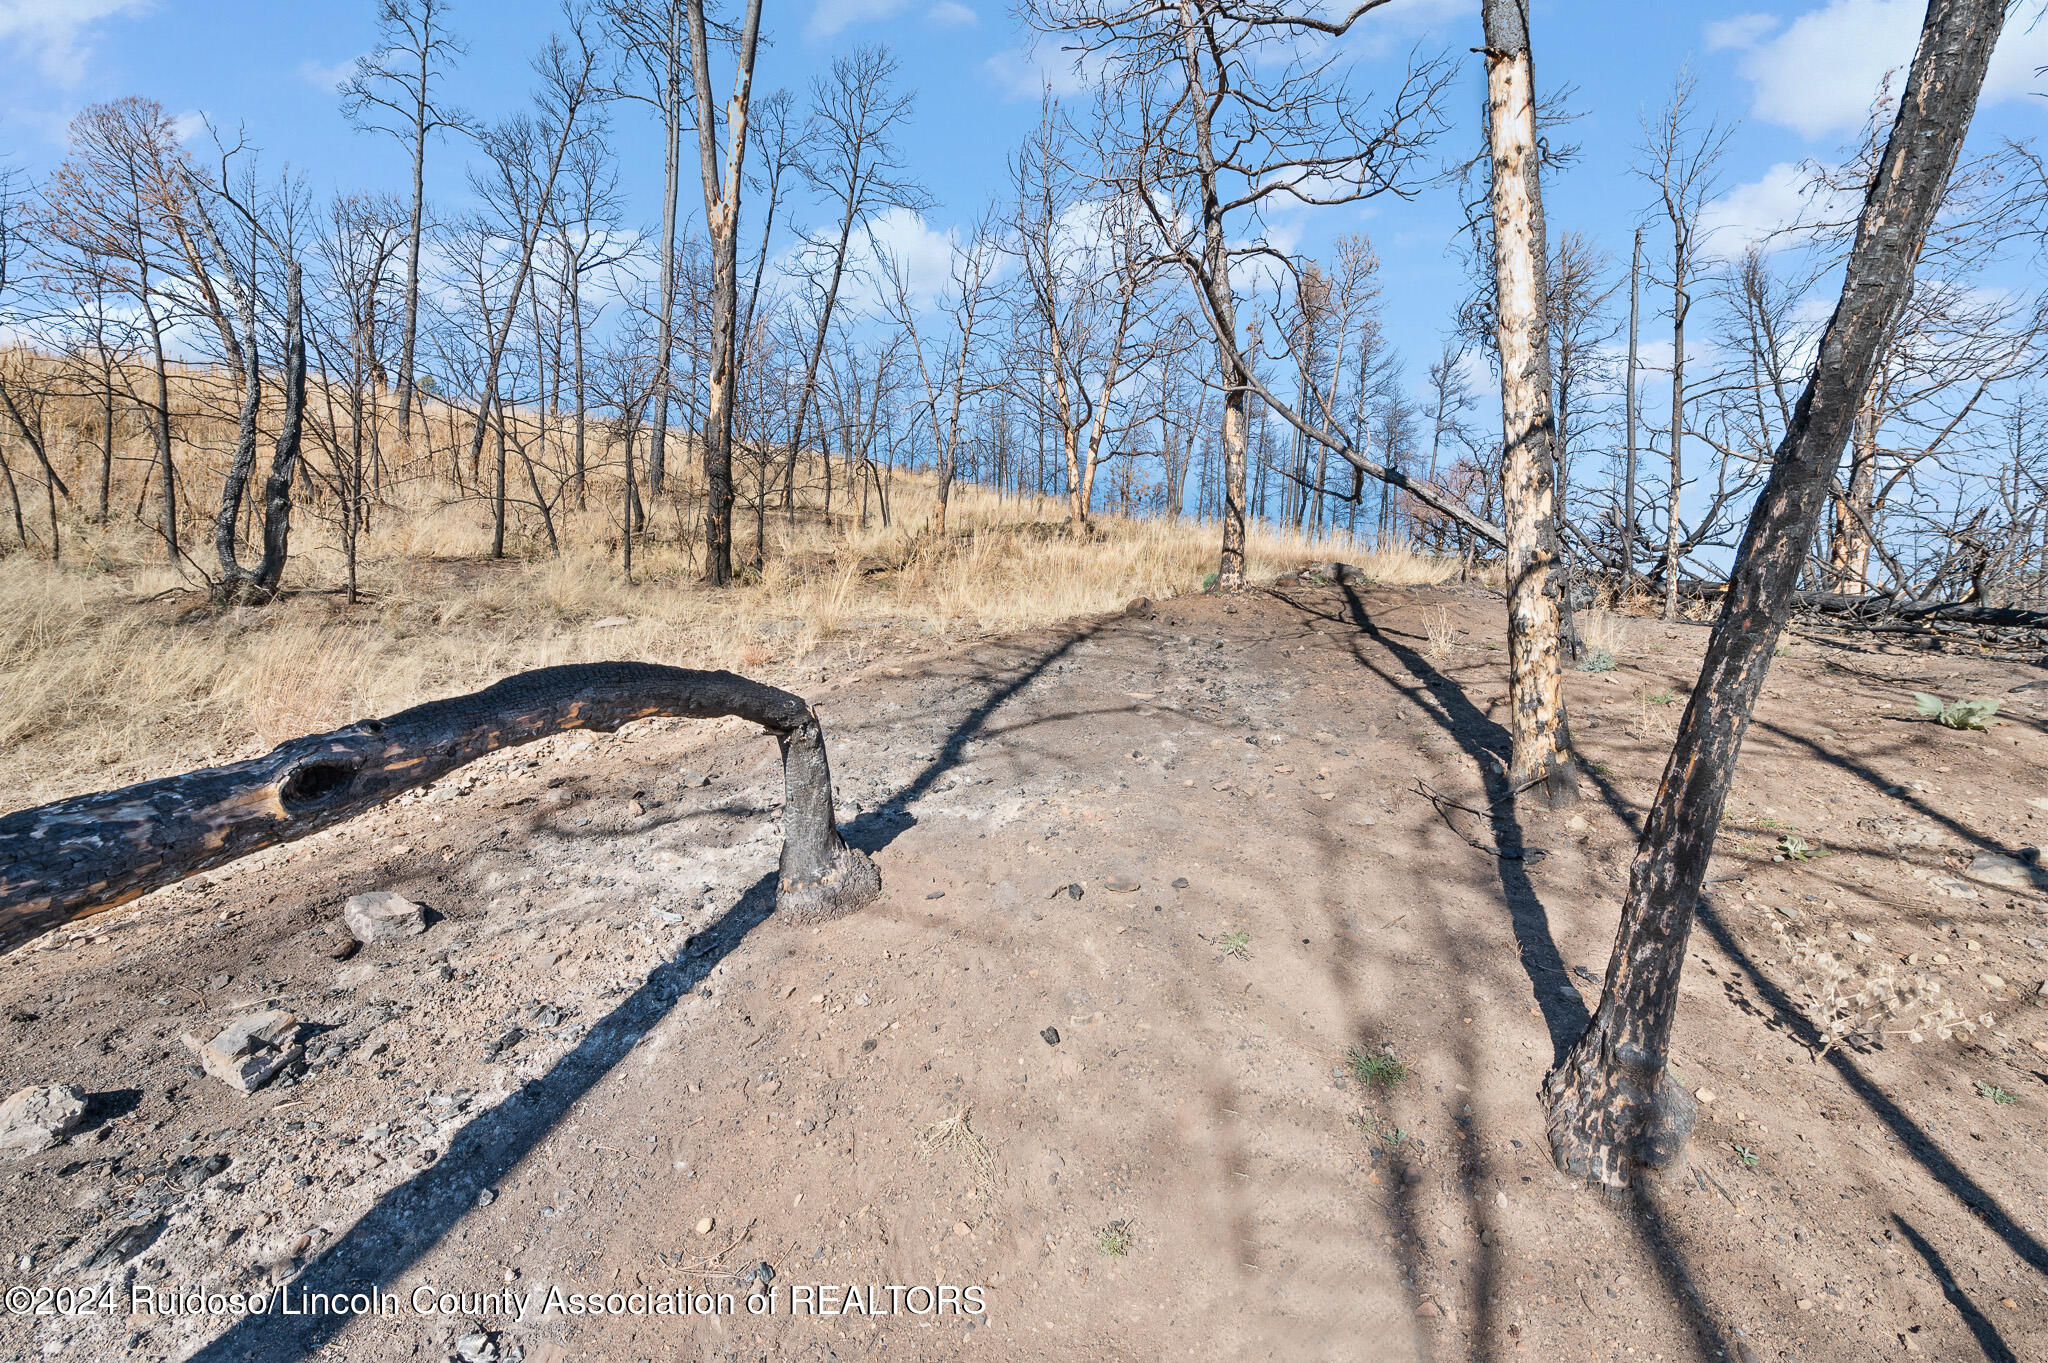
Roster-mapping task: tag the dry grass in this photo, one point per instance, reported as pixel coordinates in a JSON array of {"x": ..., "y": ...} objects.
[
  {"x": 1443, "y": 634},
  {"x": 101, "y": 685},
  {"x": 1606, "y": 631}
]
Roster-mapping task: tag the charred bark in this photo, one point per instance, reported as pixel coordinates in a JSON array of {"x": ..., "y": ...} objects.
[
  {"x": 79, "y": 856},
  {"x": 1540, "y": 762},
  {"x": 1878, "y": 609},
  {"x": 1611, "y": 1105}
]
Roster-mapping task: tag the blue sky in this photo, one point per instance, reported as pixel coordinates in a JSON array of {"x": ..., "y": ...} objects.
[{"x": 1796, "y": 77}]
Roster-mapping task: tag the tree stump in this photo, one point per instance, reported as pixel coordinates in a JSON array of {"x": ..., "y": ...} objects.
[{"x": 79, "y": 856}]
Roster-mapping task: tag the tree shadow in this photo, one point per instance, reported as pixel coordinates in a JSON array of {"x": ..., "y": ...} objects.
[
  {"x": 410, "y": 1219},
  {"x": 1988, "y": 1339},
  {"x": 1916, "y": 1141},
  {"x": 1565, "y": 1016}
]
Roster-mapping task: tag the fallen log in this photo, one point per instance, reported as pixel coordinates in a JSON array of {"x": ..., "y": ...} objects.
[
  {"x": 1876, "y": 606},
  {"x": 79, "y": 856}
]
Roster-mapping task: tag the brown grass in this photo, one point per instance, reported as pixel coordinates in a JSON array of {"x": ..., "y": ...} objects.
[{"x": 101, "y": 683}]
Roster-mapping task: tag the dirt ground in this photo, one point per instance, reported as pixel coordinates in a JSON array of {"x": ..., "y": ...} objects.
[{"x": 1153, "y": 883}]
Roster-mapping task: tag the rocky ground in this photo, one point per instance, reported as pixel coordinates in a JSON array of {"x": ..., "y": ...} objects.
[{"x": 1201, "y": 1017}]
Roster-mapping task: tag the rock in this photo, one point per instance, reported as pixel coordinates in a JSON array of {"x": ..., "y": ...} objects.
[
  {"x": 1139, "y": 606},
  {"x": 1992, "y": 981},
  {"x": 381, "y": 916},
  {"x": 251, "y": 1049},
  {"x": 1074, "y": 891},
  {"x": 1122, "y": 885},
  {"x": 485, "y": 1197},
  {"x": 704, "y": 1227},
  {"x": 35, "y": 1119},
  {"x": 2007, "y": 873},
  {"x": 475, "y": 1346},
  {"x": 936, "y": 894},
  {"x": 1180, "y": 882},
  {"x": 1577, "y": 823},
  {"x": 1051, "y": 1036},
  {"x": 693, "y": 780},
  {"x": 962, "y": 1229},
  {"x": 611, "y": 622}
]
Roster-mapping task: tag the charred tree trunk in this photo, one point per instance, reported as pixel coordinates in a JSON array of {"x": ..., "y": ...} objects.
[
  {"x": 80, "y": 856},
  {"x": 1540, "y": 761},
  {"x": 1849, "y": 542},
  {"x": 1611, "y": 1104}
]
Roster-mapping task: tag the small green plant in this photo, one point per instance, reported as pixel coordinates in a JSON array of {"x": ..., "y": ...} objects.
[
  {"x": 1780, "y": 649},
  {"x": 1996, "y": 1094},
  {"x": 1792, "y": 847},
  {"x": 1660, "y": 697},
  {"x": 1382, "y": 1070},
  {"x": 1113, "y": 1241},
  {"x": 1598, "y": 660},
  {"x": 1955, "y": 714},
  {"x": 1209, "y": 582},
  {"x": 1748, "y": 1156},
  {"x": 1394, "y": 1136},
  {"x": 1238, "y": 944}
]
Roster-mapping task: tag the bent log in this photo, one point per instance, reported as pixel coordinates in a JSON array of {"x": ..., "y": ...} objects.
[{"x": 75, "y": 857}]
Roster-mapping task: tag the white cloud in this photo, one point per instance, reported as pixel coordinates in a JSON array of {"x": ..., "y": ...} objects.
[
  {"x": 188, "y": 126},
  {"x": 832, "y": 17},
  {"x": 327, "y": 76},
  {"x": 1752, "y": 213},
  {"x": 57, "y": 34},
  {"x": 923, "y": 253},
  {"x": 1740, "y": 33},
  {"x": 952, "y": 14},
  {"x": 1028, "y": 72},
  {"x": 1819, "y": 75}
]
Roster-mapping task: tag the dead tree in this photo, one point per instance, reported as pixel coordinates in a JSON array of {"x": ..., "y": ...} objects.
[
  {"x": 1611, "y": 1104},
  {"x": 392, "y": 91},
  {"x": 1224, "y": 109},
  {"x": 1541, "y": 756},
  {"x": 83, "y": 855},
  {"x": 721, "y": 226}
]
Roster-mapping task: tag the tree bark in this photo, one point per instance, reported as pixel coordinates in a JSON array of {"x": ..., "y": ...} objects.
[
  {"x": 1540, "y": 761},
  {"x": 80, "y": 856},
  {"x": 1611, "y": 1105},
  {"x": 721, "y": 226}
]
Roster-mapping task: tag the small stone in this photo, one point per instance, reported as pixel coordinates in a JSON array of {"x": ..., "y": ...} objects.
[
  {"x": 1429, "y": 1310},
  {"x": 862, "y": 1000},
  {"x": 1074, "y": 891},
  {"x": 485, "y": 1197},
  {"x": 250, "y": 1050},
  {"x": 962, "y": 1229},
  {"x": 771, "y": 1088},
  {"x": 705, "y": 1226},
  {"x": 381, "y": 916},
  {"x": 1861, "y": 937},
  {"x": 936, "y": 894},
  {"x": 611, "y": 622},
  {"x": 1051, "y": 1036},
  {"x": 1704, "y": 1095},
  {"x": 1577, "y": 823},
  {"x": 635, "y": 809},
  {"x": 694, "y": 780},
  {"x": 34, "y": 1119},
  {"x": 1121, "y": 885},
  {"x": 1992, "y": 981},
  {"x": 1180, "y": 882}
]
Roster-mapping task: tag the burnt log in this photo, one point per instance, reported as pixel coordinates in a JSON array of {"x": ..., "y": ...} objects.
[
  {"x": 1875, "y": 607},
  {"x": 79, "y": 856}
]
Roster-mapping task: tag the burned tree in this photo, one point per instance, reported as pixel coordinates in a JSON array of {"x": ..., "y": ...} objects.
[
  {"x": 1611, "y": 1104},
  {"x": 1541, "y": 756},
  {"x": 721, "y": 224},
  {"x": 83, "y": 855}
]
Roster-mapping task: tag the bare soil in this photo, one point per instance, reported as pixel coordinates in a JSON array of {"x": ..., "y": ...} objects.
[{"x": 1264, "y": 810}]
